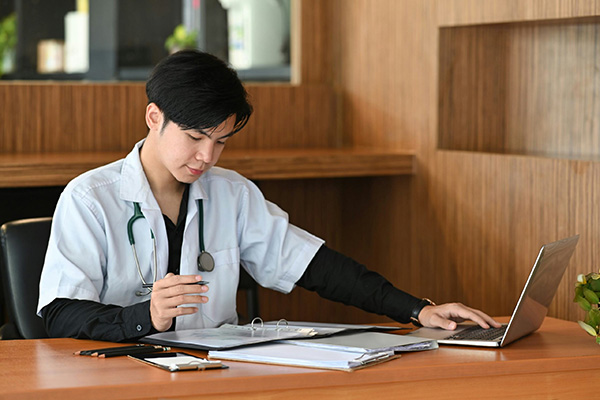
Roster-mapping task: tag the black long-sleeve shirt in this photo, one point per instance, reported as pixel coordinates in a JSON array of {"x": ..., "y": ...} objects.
[{"x": 330, "y": 274}]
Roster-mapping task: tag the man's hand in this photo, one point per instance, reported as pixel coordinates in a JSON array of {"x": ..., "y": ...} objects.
[
  {"x": 169, "y": 293},
  {"x": 447, "y": 315}
]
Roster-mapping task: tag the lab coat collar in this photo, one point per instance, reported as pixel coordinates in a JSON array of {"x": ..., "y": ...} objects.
[{"x": 135, "y": 186}]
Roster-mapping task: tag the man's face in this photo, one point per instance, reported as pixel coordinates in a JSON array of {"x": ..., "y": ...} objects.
[{"x": 187, "y": 154}]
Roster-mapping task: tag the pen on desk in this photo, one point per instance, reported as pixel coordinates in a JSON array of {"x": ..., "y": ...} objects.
[
  {"x": 149, "y": 285},
  {"x": 125, "y": 349},
  {"x": 141, "y": 350},
  {"x": 90, "y": 352}
]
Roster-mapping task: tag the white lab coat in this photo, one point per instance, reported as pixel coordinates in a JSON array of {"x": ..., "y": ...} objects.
[{"x": 89, "y": 256}]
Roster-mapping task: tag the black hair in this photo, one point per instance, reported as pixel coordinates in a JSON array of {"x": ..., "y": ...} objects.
[{"x": 197, "y": 91}]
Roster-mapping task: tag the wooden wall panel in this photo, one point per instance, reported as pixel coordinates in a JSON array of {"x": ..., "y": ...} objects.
[
  {"x": 64, "y": 117},
  {"x": 346, "y": 213},
  {"x": 318, "y": 42},
  {"x": 477, "y": 220}
]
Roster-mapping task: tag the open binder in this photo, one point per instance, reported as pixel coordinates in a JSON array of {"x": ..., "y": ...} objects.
[{"x": 230, "y": 336}]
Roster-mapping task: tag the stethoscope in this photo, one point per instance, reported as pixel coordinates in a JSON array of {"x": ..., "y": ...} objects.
[{"x": 206, "y": 262}]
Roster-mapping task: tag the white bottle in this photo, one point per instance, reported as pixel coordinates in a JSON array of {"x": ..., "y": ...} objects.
[
  {"x": 77, "y": 33},
  {"x": 257, "y": 30}
]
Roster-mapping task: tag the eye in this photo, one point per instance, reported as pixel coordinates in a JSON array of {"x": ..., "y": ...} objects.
[{"x": 194, "y": 137}]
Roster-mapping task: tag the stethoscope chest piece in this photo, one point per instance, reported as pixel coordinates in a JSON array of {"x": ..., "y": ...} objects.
[{"x": 206, "y": 262}]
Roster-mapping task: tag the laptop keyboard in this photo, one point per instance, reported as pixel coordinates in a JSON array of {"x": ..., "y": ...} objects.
[{"x": 478, "y": 333}]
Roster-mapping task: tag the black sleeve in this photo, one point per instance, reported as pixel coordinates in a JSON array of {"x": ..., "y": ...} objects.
[
  {"x": 337, "y": 277},
  {"x": 84, "y": 319}
]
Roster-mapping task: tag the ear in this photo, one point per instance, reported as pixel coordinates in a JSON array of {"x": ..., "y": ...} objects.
[{"x": 154, "y": 117}]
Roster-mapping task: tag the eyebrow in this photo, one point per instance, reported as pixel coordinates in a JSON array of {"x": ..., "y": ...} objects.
[{"x": 203, "y": 132}]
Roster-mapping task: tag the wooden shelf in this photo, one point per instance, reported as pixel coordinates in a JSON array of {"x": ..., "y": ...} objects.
[
  {"x": 503, "y": 90},
  {"x": 56, "y": 169}
]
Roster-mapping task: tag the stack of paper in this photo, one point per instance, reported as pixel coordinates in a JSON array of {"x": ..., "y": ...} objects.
[
  {"x": 367, "y": 342},
  {"x": 346, "y": 351},
  {"x": 289, "y": 354}
]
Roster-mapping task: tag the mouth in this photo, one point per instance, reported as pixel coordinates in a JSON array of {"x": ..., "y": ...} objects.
[{"x": 194, "y": 171}]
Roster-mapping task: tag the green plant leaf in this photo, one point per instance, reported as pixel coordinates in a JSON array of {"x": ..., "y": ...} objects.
[
  {"x": 594, "y": 284},
  {"x": 583, "y": 303},
  {"x": 590, "y": 296},
  {"x": 578, "y": 292},
  {"x": 593, "y": 318},
  {"x": 587, "y": 328}
]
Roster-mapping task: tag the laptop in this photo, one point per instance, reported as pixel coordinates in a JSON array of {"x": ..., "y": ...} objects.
[{"x": 531, "y": 309}]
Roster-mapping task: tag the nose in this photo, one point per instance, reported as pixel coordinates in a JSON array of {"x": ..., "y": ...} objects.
[{"x": 205, "y": 150}]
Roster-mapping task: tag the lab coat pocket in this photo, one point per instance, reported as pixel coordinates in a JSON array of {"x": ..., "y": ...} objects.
[{"x": 223, "y": 283}]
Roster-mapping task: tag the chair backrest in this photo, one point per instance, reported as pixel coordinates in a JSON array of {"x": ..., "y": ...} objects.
[
  {"x": 23, "y": 244},
  {"x": 249, "y": 287}
]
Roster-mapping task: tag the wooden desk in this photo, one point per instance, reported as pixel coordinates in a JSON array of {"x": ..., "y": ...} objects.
[{"x": 559, "y": 361}]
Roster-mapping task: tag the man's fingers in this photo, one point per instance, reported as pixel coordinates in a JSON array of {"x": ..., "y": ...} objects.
[
  {"x": 171, "y": 280},
  {"x": 447, "y": 315}
]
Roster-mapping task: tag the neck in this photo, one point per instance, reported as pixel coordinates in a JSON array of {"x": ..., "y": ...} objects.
[{"x": 162, "y": 183}]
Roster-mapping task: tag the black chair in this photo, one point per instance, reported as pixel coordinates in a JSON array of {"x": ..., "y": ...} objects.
[
  {"x": 23, "y": 246},
  {"x": 248, "y": 287}
]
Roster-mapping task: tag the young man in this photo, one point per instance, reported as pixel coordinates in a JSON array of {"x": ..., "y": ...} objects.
[{"x": 130, "y": 240}]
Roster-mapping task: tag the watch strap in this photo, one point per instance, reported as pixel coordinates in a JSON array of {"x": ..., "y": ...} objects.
[{"x": 414, "y": 315}]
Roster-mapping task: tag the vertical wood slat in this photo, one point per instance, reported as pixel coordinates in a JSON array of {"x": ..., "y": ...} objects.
[
  {"x": 52, "y": 117},
  {"x": 65, "y": 117}
]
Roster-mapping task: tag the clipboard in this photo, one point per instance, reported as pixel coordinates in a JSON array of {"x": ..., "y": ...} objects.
[{"x": 177, "y": 361}]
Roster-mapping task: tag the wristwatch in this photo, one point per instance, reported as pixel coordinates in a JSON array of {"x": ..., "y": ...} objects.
[{"x": 414, "y": 315}]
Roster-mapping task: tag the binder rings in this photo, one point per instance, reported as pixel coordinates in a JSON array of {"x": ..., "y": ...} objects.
[{"x": 228, "y": 336}]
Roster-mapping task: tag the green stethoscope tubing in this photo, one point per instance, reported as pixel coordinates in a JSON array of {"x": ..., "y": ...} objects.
[
  {"x": 205, "y": 261},
  {"x": 137, "y": 214}
]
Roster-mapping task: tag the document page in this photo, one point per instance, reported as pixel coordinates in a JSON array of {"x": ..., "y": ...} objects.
[
  {"x": 314, "y": 357},
  {"x": 367, "y": 342}
]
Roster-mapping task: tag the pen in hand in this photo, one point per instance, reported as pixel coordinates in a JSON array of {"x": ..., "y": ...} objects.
[{"x": 149, "y": 285}]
